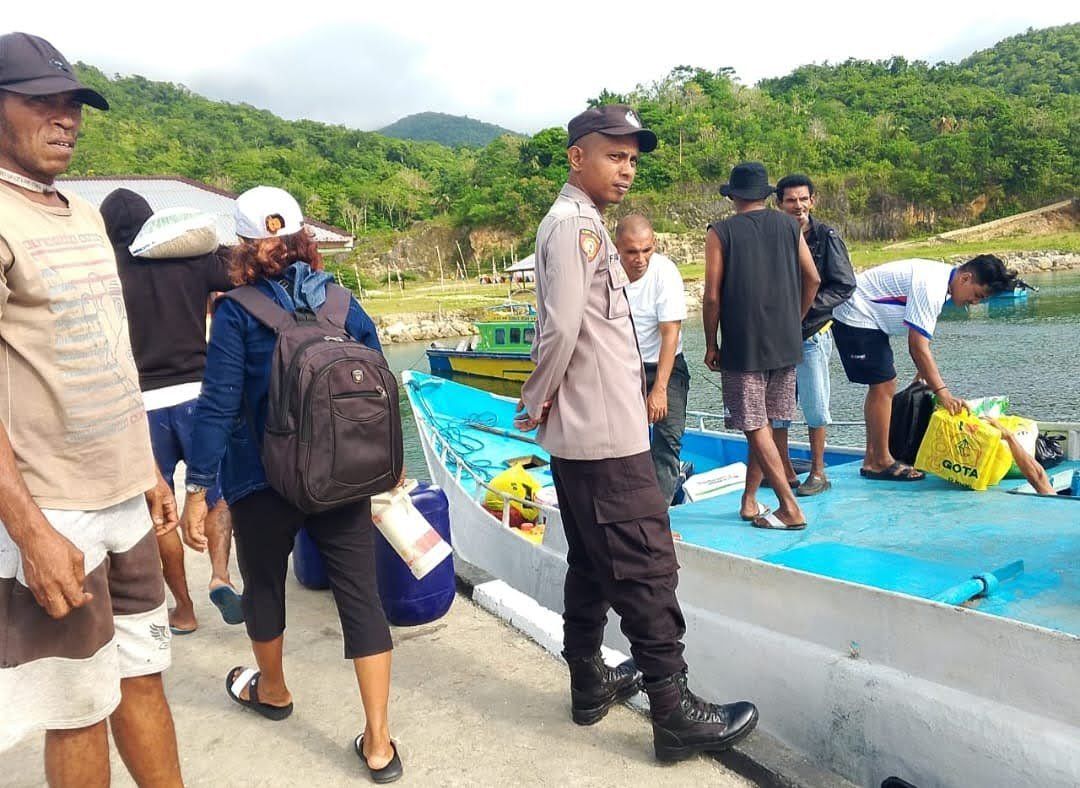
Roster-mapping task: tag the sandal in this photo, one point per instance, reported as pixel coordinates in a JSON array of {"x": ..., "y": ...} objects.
[
  {"x": 228, "y": 603},
  {"x": 238, "y": 678},
  {"x": 814, "y": 485},
  {"x": 387, "y": 774},
  {"x": 772, "y": 522},
  {"x": 897, "y": 472},
  {"x": 762, "y": 510}
]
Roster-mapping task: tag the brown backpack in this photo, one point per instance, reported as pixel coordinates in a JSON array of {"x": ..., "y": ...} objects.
[{"x": 333, "y": 427}]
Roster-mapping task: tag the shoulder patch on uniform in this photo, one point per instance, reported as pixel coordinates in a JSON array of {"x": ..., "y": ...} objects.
[{"x": 590, "y": 243}]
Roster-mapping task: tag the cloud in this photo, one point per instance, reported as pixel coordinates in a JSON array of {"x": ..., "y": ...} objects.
[
  {"x": 982, "y": 34},
  {"x": 527, "y": 68},
  {"x": 355, "y": 75}
]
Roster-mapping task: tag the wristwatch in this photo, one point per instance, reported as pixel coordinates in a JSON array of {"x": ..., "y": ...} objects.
[{"x": 194, "y": 489}]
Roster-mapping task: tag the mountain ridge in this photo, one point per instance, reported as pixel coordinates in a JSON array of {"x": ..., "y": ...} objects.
[{"x": 454, "y": 131}]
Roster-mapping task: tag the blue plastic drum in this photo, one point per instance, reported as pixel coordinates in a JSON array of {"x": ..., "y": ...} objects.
[
  {"x": 407, "y": 601},
  {"x": 307, "y": 562}
]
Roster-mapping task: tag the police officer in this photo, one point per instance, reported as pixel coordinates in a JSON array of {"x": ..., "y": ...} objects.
[{"x": 587, "y": 397}]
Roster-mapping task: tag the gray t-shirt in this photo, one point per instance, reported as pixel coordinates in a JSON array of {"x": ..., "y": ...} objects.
[{"x": 761, "y": 292}]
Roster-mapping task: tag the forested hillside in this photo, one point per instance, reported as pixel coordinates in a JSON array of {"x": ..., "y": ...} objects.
[
  {"x": 453, "y": 131},
  {"x": 897, "y": 146},
  {"x": 358, "y": 180}
]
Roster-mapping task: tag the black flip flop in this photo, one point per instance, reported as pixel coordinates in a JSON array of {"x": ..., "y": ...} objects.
[
  {"x": 897, "y": 472},
  {"x": 228, "y": 603},
  {"x": 387, "y": 774},
  {"x": 275, "y": 713}
]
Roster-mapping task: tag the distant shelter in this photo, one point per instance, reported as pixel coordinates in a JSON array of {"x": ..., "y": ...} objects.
[
  {"x": 523, "y": 270},
  {"x": 170, "y": 191}
]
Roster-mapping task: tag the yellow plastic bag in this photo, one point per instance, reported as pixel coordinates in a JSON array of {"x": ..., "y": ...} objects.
[
  {"x": 1026, "y": 432},
  {"x": 517, "y": 482},
  {"x": 963, "y": 449}
]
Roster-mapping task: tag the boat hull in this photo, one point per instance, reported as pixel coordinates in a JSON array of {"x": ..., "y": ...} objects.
[
  {"x": 866, "y": 682},
  {"x": 507, "y": 366}
]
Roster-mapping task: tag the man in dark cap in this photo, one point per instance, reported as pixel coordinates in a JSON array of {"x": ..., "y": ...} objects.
[
  {"x": 587, "y": 397},
  {"x": 760, "y": 281},
  {"x": 82, "y": 601}
]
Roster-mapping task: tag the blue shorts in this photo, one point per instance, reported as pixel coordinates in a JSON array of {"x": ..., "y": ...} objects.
[
  {"x": 812, "y": 385},
  {"x": 170, "y": 435}
]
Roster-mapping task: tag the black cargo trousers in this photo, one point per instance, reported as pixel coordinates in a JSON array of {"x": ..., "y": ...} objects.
[{"x": 620, "y": 556}]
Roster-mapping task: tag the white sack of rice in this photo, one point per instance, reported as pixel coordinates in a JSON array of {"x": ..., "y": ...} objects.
[{"x": 176, "y": 232}]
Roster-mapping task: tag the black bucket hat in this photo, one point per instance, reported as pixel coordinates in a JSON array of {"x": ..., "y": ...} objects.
[
  {"x": 32, "y": 66},
  {"x": 614, "y": 120},
  {"x": 748, "y": 181}
]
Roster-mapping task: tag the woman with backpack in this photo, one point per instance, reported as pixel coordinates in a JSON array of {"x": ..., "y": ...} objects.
[{"x": 278, "y": 258}]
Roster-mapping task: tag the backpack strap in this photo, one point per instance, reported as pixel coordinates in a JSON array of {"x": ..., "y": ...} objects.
[
  {"x": 335, "y": 310},
  {"x": 261, "y": 307}
]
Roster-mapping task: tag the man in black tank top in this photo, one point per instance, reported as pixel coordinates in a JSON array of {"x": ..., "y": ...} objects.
[{"x": 760, "y": 281}]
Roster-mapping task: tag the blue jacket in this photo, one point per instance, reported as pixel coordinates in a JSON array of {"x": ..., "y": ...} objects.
[{"x": 231, "y": 411}]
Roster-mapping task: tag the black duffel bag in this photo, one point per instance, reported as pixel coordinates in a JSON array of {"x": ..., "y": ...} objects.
[
  {"x": 911, "y": 410},
  {"x": 1048, "y": 451}
]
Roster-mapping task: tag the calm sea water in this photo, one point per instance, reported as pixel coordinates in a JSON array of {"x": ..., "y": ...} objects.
[{"x": 1028, "y": 349}]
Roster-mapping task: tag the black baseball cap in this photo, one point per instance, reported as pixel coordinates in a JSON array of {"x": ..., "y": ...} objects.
[
  {"x": 32, "y": 66},
  {"x": 614, "y": 120}
]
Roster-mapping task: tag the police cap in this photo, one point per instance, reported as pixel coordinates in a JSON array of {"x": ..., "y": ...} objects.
[{"x": 613, "y": 120}]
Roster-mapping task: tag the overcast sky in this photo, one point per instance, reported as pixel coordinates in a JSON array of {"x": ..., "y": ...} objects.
[{"x": 525, "y": 66}]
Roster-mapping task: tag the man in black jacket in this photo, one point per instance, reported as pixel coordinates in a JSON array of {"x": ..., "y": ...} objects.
[
  {"x": 166, "y": 299},
  {"x": 795, "y": 193}
]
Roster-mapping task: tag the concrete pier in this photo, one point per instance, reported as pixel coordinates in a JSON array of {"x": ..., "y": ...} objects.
[{"x": 473, "y": 702}]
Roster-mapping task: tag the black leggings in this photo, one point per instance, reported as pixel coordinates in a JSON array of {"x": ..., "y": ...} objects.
[{"x": 265, "y": 525}]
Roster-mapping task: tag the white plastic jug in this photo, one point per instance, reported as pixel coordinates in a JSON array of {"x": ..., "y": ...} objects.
[{"x": 411, "y": 536}]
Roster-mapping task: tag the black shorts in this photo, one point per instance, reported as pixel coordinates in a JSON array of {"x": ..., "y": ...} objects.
[
  {"x": 865, "y": 353},
  {"x": 265, "y": 527}
]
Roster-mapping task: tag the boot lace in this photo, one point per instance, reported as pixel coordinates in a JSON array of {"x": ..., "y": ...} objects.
[{"x": 696, "y": 709}]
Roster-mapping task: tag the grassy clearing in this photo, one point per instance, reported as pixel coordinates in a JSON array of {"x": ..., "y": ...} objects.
[
  {"x": 456, "y": 297},
  {"x": 866, "y": 255},
  {"x": 472, "y": 298}
]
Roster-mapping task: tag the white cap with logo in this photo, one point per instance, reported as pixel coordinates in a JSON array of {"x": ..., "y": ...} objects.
[{"x": 265, "y": 212}]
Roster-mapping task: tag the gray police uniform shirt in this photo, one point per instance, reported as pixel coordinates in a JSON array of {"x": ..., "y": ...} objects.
[{"x": 587, "y": 360}]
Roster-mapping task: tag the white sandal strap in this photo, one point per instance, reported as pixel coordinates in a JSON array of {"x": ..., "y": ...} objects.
[
  {"x": 241, "y": 681},
  {"x": 774, "y": 521}
]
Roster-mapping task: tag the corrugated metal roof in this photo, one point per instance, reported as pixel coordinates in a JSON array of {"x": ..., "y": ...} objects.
[{"x": 174, "y": 192}]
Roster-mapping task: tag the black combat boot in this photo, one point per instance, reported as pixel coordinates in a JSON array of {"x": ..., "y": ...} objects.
[
  {"x": 684, "y": 725},
  {"x": 595, "y": 688}
]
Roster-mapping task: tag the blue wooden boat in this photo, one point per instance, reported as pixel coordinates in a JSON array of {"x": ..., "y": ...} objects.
[
  {"x": 920, "y": 630},
  {"x": 1010, "y": 295}
]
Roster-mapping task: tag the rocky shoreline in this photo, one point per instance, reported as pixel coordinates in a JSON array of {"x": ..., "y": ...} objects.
[
  {"x": 395, "y": 329},
  {"x": 1033, "y": 262}
]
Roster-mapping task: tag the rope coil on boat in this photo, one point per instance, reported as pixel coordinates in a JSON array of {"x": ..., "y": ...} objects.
[{"x": 442, "y": 444}]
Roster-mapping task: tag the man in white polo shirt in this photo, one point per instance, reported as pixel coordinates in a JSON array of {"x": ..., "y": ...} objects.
[
  {"x": 658, "y": 304},
  {"x": 894, "y": 299}
]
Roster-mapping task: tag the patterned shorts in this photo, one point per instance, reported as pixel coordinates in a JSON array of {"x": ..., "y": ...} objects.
[
  {"x": 58, "y": 674},
  {"x": 752, "y": 400}
]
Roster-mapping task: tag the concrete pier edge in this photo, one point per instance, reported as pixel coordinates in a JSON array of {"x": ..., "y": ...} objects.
[{"x": 761, "y": 758}]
